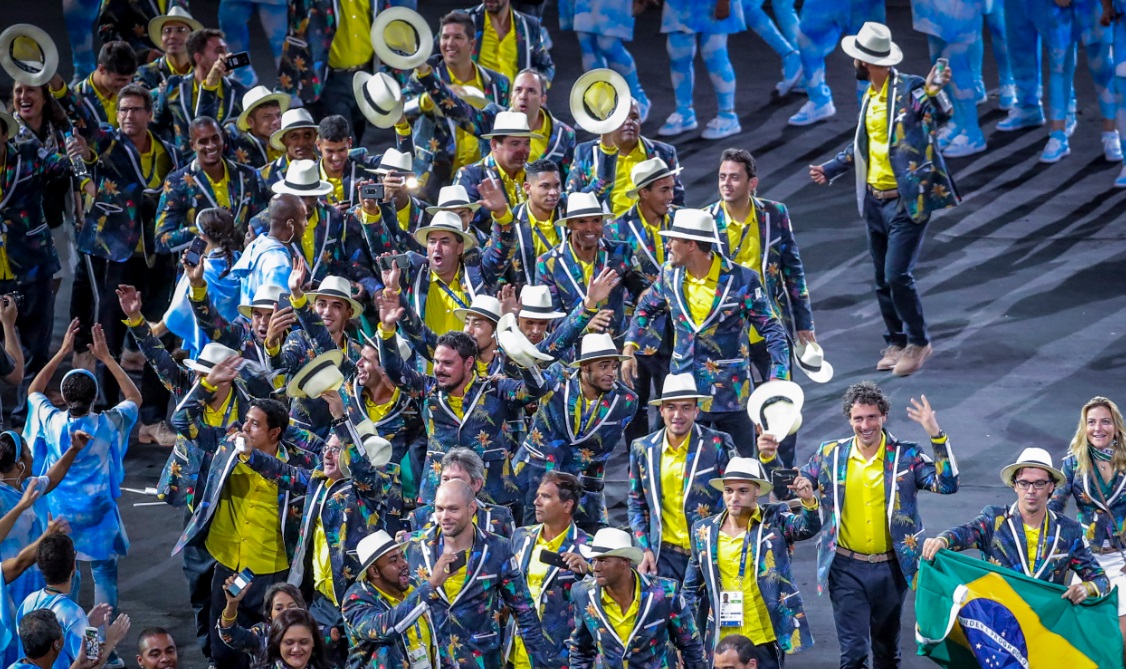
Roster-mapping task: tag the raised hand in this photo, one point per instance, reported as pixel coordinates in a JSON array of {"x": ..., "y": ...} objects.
[
  {"x": 297, "y": 278},
  {"x": 390, "y": 311},
  {"x": 280, "y": 323},
  {"x": 492, "y": 196},
  {"x": 9, "y": 311},
  {"x": 57, "y": 525},
  {"x": 99, "y": 615},
  {"x": 99, "y": 347},
  {"x": 767, "y": 444},
  {"x": 923, "y": 414},
  {"x": 601, "y": 321},
  {"x": 30, "y": 496},
  {"x": 69, "y": 335},
  {"x": 335, "y": 403},
  {"x": 130, "y": 300},
  {"x": 193, "y": 272},
  {"x": 79, "y": 439},
  {"x": 509, "y": 303},
  {"x": 391, "y": 276},
  {"x": 226, "y": 371},
  {"x": 600, "y": 287}
]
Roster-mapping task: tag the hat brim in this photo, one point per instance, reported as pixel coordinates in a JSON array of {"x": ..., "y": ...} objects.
[
  {"x": 621, "y": 111},
  {"x": 363, "y": 575},
  {"x": 701, "y": 237},
  {"x": 1009, "y": 472},
  {"x": 247, "y": 310},
  {"x": 461, "y": 313},
  {"x": 786, "y": 390},
  {"x": 549, "y": 316},
  {"x": 472, "y": 206},
  {"x": 156, "y": 27},
  {"x": 243, "y": 122},
  {"x": 848, "y": 45},
  {"x": 357, "y": 308},
  {"x": 376, "y": 117},
  {"x": 392, "y": 58},
  {"x": 276, "y": 138},
  {"x": 513, "y": 133},
  {"x": 633, "y": 554},
  {"x": 196, "y": 367},
  {"x": 823, "y": 375},
  {"x": 294, "y": 389},
  {"x": 632, "y": 193},
  {"x": 46, "y": 45},
  {"x": 323, "y": 188},
  {"x": 764, "y": 486},
  {"x": 661, "y": 400},
  {"x": 578, "y": 363},
  {"x": 604, "y": 216},
  {"x": 420, "y": 235}
]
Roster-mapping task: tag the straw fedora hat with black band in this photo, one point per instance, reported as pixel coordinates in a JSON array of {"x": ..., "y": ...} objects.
[
  {"x": 174, "y": 15},
  {"x": 600, "y": 101},
  {"x": 612, "y": 542},
  {"x": 445, "y": 221},
  {"x": 694, "y": 224},
  {"x": 810, "y": 358},
  {"x": 1035, "y": 458},
  {"x": 595, "y": 346},
  {"x": 318, "y": 376},
  {"x": 517, "y": 346},
  {"x": 873, "y": 45},
  {"x": 303, "y": 179},
  {"x": 21, "y": 47},
  {"x": 379, "y": 98},
  {"x": 485, "y": 306},
  {"x": 211, "y": 355},
  {"x": 371, "y": 548},
  {"x": 776, "y": 406},
  {"x": 394, "y": 160},
  {"x": 744, "y": 469},
  {"x": 452, "y": 198},
  {"x": 292, "y": 119},
  {"x": 374, "y": 448},
  {"x": 405, "y": 350},
  {"x": 535, "y": 302},
  {"x": 584, "y": 205},
  {"x": 337, "y": 288},
  {"x": 647, "y": 172},
  {"x": 255, "y": 98},
  {"x": 679, "y": 387},
  {"x": 266, "y": 297},
  {"x": 401, "y": 38},
  {"x": 511, "y": 124}
]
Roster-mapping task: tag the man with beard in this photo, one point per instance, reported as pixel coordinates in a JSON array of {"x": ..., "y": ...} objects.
[
  {"x": 296, "y": 139},
  {"x": 509, "y": 146},
  {"x": 603, "y": 166},
  {"x": 508, "y": 41},
  {"x": 206, "y": 91},
  {"x": 577, "y": 427},
  {"x": 341, "y": 165},
  {"x": 894, "y": 196},
  {"x": 537, "y": 227}
]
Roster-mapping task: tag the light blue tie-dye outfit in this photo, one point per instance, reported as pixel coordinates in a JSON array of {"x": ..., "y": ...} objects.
[
  {"x": 80, "y": 16},
  {"x": 1118, "y": 51},
  {"x": 1023, "y": 41},
  {"x": 71, "y": 618},
  {"x": 87, "y": 496},
  {"x": 602, "y": 27},
  {"x": 994, "y": 11},
  {"x": 823, "y": 24},
  {"x": 225, "y": 293},
  {"x": 683, "y": 21},
  {"x": 952, "y": 28},
  {"x": 1062, "y": 29},
  {"x": 773, "y": 34},
  {"x": 29, "y": 526},
  {"x": 234, "y": 21}
]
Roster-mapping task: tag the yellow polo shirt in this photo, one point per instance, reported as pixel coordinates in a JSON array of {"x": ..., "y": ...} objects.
[
  {"x": 537, "y": 571},
  {"x": 539, "y": 146},
  {"x": 155, "y": 163},
  {"x": 700, "y": 292},
  {"x": 337, "y": 194},
  {"x": 221, "y": 188},
  {"x": 214, "y": 417},
  {"x": 586, "y": 267},
  {"x": 864, "y": 526},
  {"x": 418, "y": 634},
  {"x": 439, "y": 316},
  {"x": 499, "y": 53},
  {"x": 546, "y": 230},
  {"x": 467, "y": 147},
  {"x": 322, "y": 560},
  {"x": 457, "y": 404},
  {"x": 351, "y": 46},
  {"x": 622, "y": 621},
  {"x": 377, "y": 412},
  {"x": 619, "y": 201},
  {"x": 108, "y": 103},
  {"x": 1032, "y": 543},
  {"x": 403, "y": 216},
  {"x": 756, "y": 618},
  {"x": 244, "y": 532},
  {"x": 880, "y": 175},
  {"x": 455, "y": 583},
  {"x": 743, "y": 239},
  {"x": 654, "y": 232},
  {"x": 674, "y": 462}
]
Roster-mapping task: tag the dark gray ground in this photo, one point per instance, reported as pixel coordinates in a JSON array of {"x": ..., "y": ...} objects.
[{"x": 1022, "y": 285}]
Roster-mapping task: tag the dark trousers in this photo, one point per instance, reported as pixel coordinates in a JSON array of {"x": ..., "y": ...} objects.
[
  {"x": 35, "y": 323},
  {"x": 249, "y": 613},
  {"x": 651, "y": 373},
  {"x": 199, "y": 569},
  {"x": 735, "y": 423},
  {"x": 894, "y": 241},
  {"x": 94, "y": 300},
  {"x": 671, "y": 564},
  {"x": 337, "y": 98},
  {"x": 867, "y": 605}
]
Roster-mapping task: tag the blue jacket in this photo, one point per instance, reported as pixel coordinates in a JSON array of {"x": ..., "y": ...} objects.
[
  {"x": 595, "y": 171},
  {"x": 533, "y": 43},
  {"x": 1103, "y": 517},
  {"x": 630, "y": 229},
  {"x": 244, "y": 148},
  {"x": 31, "y": 250},
  {"x": 490, "y": 517},
  {"x": 174, "y": 109},
  {"x": 522, "y": 272},
  {"x": 561, "y": 273},
  {"x": 376, "y": 626},
  {"x": 187, "y": 191}
]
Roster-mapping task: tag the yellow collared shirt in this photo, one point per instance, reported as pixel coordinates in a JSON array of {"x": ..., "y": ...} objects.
[
  {"x": 418, "y": 634},
  {"x": 337, "y": 194},
  {"x": 172, "y": 67},
  {"x": 377, "y": 412},
  {"x": 351, "y": 46},
  {"x": 622, "y": 621},
  {"x": 322, "y": 560},
  {"x": 756, "y": 618},
  {"x": 439, "y": 316},
  {"x": 457, "y": 404},
  {"x": 309, "y": 237},
  {"x": 404, "y": 217},
  {"x": 513, "y": 186},
  {"x": 155, "y": 163},
  {"x": 1032, "y": 545},
  {"x": 546, "y": 230},
  {"x": 700, "y": 292},
  {"x": 109, "y": 103},
  {"x": 499, "y": 53},
  {"x": 654, "y": 232},
  {"x": 586, "y": 407},
  {"x": 880, "y": 175},
  {"x": 743, "y": 239},
  {"x": 244, "y": 532},
  {"x": 537, "y": 571},
  {"x": 864, "y": 525},
  {"x": 674, "y": 463},
  {"x": 467, "y": 147},
  {"x": 539, "y": 146},
  {"x": 215, "y": 417},
  {"x": 586, "y": 267},
  {"x": 619, "y": 201},
  {"x": 455, "y": 583},
  {"x": 221, "y": 188}
]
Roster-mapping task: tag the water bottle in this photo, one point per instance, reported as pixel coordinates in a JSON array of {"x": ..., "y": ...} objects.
[{"x": 77, "y": 164}]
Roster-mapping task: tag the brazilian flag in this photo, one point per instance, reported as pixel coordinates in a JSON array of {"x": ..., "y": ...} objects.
[{"x": 974, "y": 614}]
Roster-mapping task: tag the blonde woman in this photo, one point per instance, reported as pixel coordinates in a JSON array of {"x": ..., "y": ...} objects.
[{"x": 1095, "y": 469}]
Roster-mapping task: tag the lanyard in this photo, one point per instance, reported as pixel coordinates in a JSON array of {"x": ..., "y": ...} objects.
[
  {"x": 743, "y": 556},
  {"x": 588, "y": 418},
  {"x": 536, "y": 231},
  {"x": 746, "y": 230},
  {"x": 452, "y": 295},
  {"x": 1029, "y": 566}
]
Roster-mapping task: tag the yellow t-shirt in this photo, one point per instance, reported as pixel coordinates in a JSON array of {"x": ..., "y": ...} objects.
[
  {"x": 467, "y": 147},
  {"x": 880, "y": 175},
  {"x": 215, "y": 417},
  {"x": 1032, "y": 544},
  {"x": 619, "y": 201},
  {"x": 864, "y": 526},
  {"x": 109, "y": 103},
  {"x": 309, "y": 237},
  {"x": 537, "y": 571},
  {"x": 351, "y": 46},
  {"x": 541, "y": 231},
  {"x": 155, "y": 163},
  {"x": 418, "y": 634},
  {"x": 700, "y": 292},
  {"x": 377, "y": 412},
  {"x": 337, "y": 194},
  {"x": 244, "y": 533},
  {"x": 322, "y": 562},
  {"x": 654, "y": 232},
  {"x": 439, "y": 316},
  {"x": 455, "y": 583},
  {"x": 404, "y": 217},
  {"x": 674, "y": 524},
  {"x": 743, "y": 239},
  {"x": 539, "y": 146},
  {"x": 221, "y": 188},
  {"x": 499, "y": 53},
  {"x": 622, "y": 621},
  {"x": 756, "y": 617}
]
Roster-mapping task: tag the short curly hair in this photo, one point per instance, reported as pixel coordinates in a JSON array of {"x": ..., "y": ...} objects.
[{"x": 865, "y": 392}]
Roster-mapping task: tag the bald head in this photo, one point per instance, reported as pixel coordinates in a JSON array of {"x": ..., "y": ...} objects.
[
  {"x": 454, "y": 507},
  {"x": 287, "y": 216},
  {"x": 457, "y": 491}
]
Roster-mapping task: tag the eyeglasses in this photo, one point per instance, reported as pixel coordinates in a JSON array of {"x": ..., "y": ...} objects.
[
  {"x": 175, "y": 30},
  {"x": 331, "y": 449},
  {"x": 1025, "y": 485},
  {"x": 125, "y": 111}
]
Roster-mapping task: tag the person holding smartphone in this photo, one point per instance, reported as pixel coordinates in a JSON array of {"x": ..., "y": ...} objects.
[{"x": 206, "y": 90}]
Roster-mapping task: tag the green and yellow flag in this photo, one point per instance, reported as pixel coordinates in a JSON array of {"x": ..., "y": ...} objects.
[{"x": 974, "y": 614}]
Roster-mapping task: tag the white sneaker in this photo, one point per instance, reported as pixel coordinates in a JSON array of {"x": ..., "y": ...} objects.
[
  {"x": 1120, "y": 182},
  {"x": 677, "y": 124},
  {"x": 722, "y": 126},
  {"x": 961, "y": 146},
  {"x": 1056, "y": 148},
  {"x": 1112, "y": 146},
  {"x": 811, "y": 113}
]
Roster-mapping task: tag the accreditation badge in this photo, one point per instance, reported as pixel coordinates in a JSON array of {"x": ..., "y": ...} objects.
[
  {"x": 731, "y": 608},
  {"x": 419, "y": 658}
]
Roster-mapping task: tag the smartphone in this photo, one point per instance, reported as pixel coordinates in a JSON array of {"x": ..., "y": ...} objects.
[
  {"x": 782, "y": 479},
  {"x": 941, "y": 64},
  {"x": 237, "y": 60},
  {"x": 400, "y": 259},
  {"x": 459, "y": 562},
  {"x": 241, "y": 582},
  {"x": 554, "y": 559},
  {"x": 195, "y": 252},
  {"x": 283, "y": 302},
  {"x": 371, "y": 192},
  {"x": 90, "y": 643}
]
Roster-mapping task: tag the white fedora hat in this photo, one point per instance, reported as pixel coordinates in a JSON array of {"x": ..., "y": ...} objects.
[
  {"x": 600, "y": 101},
  {"x": 176, "y": 14},
  {"x": 401, "y": 38},
  {"x": 320, "y": 374},
  {"x": 679, "y": 387},
  {"x": 485, "y": 306},
  {"x": 648, "y": 171},
  {"x": 445, "y": 221},
  {"x": 517, "y": 346},
  {"x": 694, "y": 224},
  {"x": 405, "y": 350},
  {"x": 612, "y": 542},
  {"x": 1036, "y": 458},
  {"x": 776, "y": 406},
  {"x": 873, "y": 45},
  {"x": 255, "y": 98},
  {"x": 337, "y": 287},
  {"x": 376, "y": 450},
  {"x": 266, "y": 297},
  {"x": 471, "y": 94},
  {"x": 744, "y": 469},
  {"x": 292, "y": 119},
  {"x": 28, "y": 54},
  {"x": 394, "y": 160},
  {"x": 303, "y": 179},
  {"x": 211, "y": 355},
  {"x": 535, "y": 302},
  {"x": 510, "y": 124},
  {"x": 811, "y": 360},
  {"x": 379, "y": 97},
  {"x": 584, "y": 205},
  {"x": 597, "y": 345},
  {"x": 10, "y": 126},
  {"x": 371, "y": 548},
  {"x": 451, "y": 198}
]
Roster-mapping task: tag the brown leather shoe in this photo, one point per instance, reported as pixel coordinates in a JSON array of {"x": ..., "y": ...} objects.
[
  {"x": 890, "y": 357},
  {"x": 158, "y": 433},
  {"x": 133, "y": 361},
  {"x": 912, "y": 359}
]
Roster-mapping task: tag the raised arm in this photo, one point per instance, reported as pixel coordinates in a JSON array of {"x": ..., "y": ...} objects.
[
  {"x": 101, "y": 351},
  {"x": 8, "y": 313},
  {"x": 941, "y": 474},
  {"x": 39, "y": 383},
  {"x": 171, "y": 375}
]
